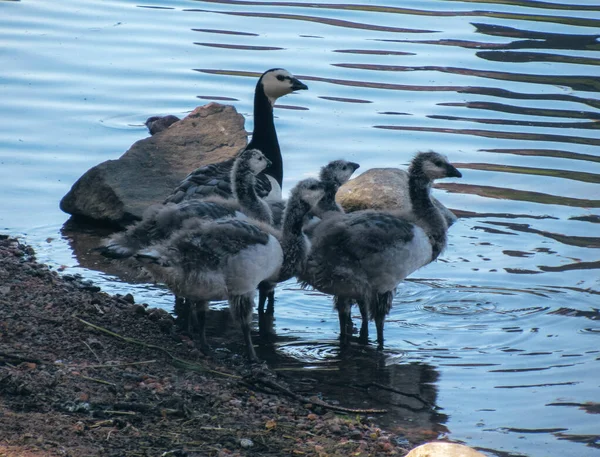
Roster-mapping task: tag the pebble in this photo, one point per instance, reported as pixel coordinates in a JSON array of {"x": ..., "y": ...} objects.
[
  {"x": 246, "y": 443},
  {"x": 356, "y": 435}
]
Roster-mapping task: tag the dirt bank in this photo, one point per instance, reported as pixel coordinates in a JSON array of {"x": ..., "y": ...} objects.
[{"x": 83, "y": 373}]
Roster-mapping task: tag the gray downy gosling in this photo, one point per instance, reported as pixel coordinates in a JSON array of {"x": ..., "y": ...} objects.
[
  {"x": 161, "y": 220},
  {"x": 333, "y": 176},
  {"x": 228, "y": 258},
  {"x": 363, "y": 256}
]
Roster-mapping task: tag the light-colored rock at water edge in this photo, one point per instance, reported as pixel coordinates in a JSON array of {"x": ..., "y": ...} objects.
[
  {"x": 441, "y": 449},
  {"x": 381, "y": 188},
  {"x": 118, "y": 191}
]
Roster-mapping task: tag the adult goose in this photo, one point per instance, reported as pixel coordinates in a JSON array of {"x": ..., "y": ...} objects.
[
  {"x": 160, "y": 221},
  {"x": 213, "y": 179},
  {"x": 228, "y": 258},
  {"x": 363, "y": 256}
]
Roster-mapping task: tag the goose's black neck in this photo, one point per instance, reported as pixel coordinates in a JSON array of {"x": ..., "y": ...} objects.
[
  {"x": 264, "y": 136},
  {"x": 420, "y": 197}
]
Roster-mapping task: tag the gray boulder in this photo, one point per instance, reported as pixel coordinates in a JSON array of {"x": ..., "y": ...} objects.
[
  {"x": 381, "y": 188},
  {"x": 117, "y": 192}
]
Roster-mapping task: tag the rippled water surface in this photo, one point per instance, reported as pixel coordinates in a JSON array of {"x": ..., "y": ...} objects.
[{"x": 502, "y": 333}]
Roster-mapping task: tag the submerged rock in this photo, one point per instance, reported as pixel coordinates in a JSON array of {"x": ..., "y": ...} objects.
[
  {"x": 381, "y": 188},
  {"x": 117, "y": 192}
]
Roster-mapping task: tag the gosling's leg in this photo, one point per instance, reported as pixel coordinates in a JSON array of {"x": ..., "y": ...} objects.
[
  {"x": 363, "y": 337},
  {"x": 241, "y": 308},
  {"x": 200, "y": 312},
  {"x": 266, "y": 293},
  {"x": 380, "y": 307},
  {"x": 263, "y": 293},
  {"x": 343, "y": 307},
  {"x": 192, "y": 318},
  {"x": 271, "y": 301},
  {"x": 181, "y": 311}
]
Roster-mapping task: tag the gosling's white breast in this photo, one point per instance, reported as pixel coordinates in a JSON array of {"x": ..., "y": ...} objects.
[
  {"x": 253, "y": 265},
  {"x": 399, "y": 261}
]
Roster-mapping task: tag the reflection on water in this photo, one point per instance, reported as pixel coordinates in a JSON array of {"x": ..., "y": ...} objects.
[{"x": 484, "y": 346}]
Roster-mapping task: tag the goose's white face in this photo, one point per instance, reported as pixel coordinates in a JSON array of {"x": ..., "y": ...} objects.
[
  {"x": 257, "y": 161},
  {"x": 279, "y": 82}
]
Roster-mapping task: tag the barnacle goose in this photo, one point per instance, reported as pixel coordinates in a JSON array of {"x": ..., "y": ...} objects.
[{"x": 213, "y": 179}]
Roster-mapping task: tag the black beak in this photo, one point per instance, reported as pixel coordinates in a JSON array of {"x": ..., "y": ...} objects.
[
  {"x": 354, "y": 165},
  {"x": 298, "y": 85},
  {"x": 452, "y": 172},
  {"x": 269, "y": 163}
]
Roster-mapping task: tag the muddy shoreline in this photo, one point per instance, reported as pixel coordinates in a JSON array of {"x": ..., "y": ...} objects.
[{"x": 84, "y": 373}]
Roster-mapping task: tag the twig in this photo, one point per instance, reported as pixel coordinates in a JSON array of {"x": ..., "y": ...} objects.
[
  {"x": 176, "y": 362},
  {"x": 19, "y": 358},
  {"x": 397, "y": 391},
  {"x": 103, "y": 423},
  {"x": 215, "y": 429},
  {"x": 282, "y": 369},
  {"x": 93, "y": 352},
  {"x": 97, "y": 380},
  {"x": 278, "y": 387},
  {"x": 121, "y": 413},
  {"x": 114, "y": 365}
]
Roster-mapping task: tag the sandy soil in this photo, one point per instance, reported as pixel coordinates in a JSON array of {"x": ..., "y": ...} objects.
[{"x": 83, "y": 373}]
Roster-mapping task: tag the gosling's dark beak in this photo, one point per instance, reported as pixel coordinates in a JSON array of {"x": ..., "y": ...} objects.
[
  {"x": 452, "y": 172},
  {"x": 269, "y": 163},
  {"x": 354, "y": 165},
  {"x": 298, "y": 85}
]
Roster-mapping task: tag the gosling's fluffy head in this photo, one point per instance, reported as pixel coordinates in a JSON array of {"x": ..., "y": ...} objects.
[
  {"x": 432, "y": 165},
  {"x": 253, "y": 160},
  {"x": 338, "y": 171},
  {"x": 309, "y": 191},
  {"x": 277, "y": 82}
]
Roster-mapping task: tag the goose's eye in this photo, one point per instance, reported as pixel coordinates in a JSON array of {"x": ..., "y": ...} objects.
[
  {"x": 280, "y": 77},
  {"x": 438, "y": 163}
]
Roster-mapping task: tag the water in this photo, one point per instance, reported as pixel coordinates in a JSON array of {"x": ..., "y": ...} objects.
[{"x": 501, "y": 334}]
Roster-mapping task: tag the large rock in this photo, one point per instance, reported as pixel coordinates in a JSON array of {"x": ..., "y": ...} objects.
[
  {"x": 118, "y": 191},
  {"x": 441, "y": 449},
  {"x": 381, "y": 188}
]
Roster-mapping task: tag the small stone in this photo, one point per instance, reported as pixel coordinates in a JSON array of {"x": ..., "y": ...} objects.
[
  {"x": 442, "y": 449},
  {"x": 246, "y": 443},
  {"x": 356, "y": 435},
  {"x": 157, "y": 124},
  {"x": 138, "y": 309}
]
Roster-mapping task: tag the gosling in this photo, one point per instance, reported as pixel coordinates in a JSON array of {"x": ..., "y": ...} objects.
[
  {"x": 363, "y": 256},
  {"x": 228, "y": 258}
]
